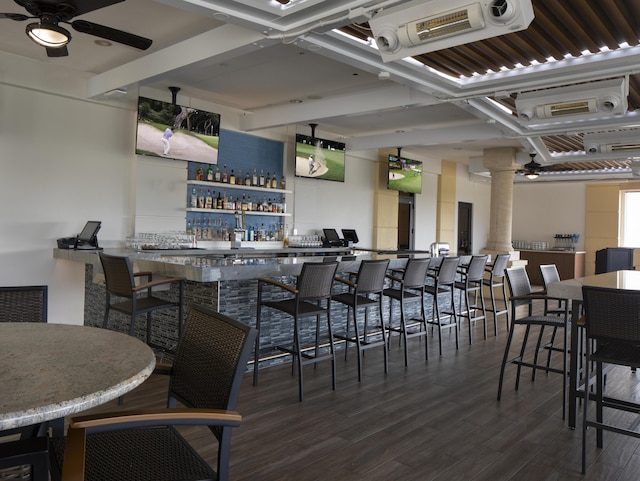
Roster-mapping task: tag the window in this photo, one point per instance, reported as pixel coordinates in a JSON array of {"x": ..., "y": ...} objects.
[{"x": 630, "y": 216}]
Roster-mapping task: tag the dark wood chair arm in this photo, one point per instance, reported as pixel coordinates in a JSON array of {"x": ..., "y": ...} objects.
[
  {"x": 532, "y": 296},
  {"x": 393, "y": 278},
  {"x": 157, "y": 282},
  {"x": 273, "y": 282},
  {"x": 346, "y": 281}
]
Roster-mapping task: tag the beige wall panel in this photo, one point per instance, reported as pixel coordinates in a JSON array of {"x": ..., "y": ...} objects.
[{"x": 602, "y": 198}]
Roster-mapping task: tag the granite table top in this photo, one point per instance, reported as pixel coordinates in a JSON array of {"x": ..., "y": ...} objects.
[
  {"x": 52, "y": 370},
  {"x": 572, "y": 288}
]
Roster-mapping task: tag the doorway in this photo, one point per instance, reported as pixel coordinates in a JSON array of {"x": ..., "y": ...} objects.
[
  {"x": 465, "y": 244},
  {"x": 405, "y": 221}
]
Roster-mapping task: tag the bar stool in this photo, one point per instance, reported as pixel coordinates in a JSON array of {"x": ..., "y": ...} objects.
[
  {"x": 496, "y": 279},
  {"x": 408, "y": 289},
  {"x": 444, "y": 281},
  {"x": 313, "y": 288},
  {"x": 472, "y": 277},
  {"x": 369, "y": 282}
]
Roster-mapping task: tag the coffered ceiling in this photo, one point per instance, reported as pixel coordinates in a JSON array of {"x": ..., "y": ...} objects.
[{"x": 293, "y": 63}]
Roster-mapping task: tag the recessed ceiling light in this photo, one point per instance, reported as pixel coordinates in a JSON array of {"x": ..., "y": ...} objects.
[
  {"x": 103, "y": 43},
  {"x": 295, "y": 101}
]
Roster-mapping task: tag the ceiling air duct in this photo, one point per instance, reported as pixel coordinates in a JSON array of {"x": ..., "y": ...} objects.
[
  {"x": 589, "y": 100},
  {"x": 622, "y": 144},
  {"x": 425, "y": 26}
]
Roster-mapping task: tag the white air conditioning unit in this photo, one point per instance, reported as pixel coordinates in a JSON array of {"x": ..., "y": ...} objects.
[
  {"x": 588, "y": 100},
  {"x": 625, "y": 143},
  {"x": 424, "y": 26}
]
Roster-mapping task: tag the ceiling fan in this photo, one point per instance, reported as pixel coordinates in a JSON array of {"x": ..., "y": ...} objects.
[
  {"x": 532, "y": 169},
  {"x": 48, "y": 33}
]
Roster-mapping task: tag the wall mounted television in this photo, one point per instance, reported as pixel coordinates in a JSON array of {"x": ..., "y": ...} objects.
[
  {"x": 405, "y": 175},
  {"x": 319, "y": 158},
  {"x": 193, "y": 134}
]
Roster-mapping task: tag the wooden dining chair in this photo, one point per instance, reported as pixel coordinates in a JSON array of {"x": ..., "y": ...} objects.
[{"x": 206, "y": 376}]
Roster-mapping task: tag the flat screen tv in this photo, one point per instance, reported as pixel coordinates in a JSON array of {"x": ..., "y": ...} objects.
[
  {"x": 405, "y": 175},
  {"x": 319, "y": 158},
  {"x": 177, "y": 132}
]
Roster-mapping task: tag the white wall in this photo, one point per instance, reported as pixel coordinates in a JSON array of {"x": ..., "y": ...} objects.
[
  {"x": 542, "y": 209},
  {"x": 63, "y": 162}
]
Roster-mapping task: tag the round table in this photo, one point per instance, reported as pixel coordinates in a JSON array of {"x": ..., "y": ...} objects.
[{"x": 49, "y": 371}]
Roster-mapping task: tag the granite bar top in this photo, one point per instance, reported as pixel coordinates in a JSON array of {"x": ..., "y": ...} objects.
[{"x": 201, "y": 265}]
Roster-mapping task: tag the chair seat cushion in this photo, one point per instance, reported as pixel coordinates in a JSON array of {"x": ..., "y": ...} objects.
[
  {"x": 542, "y": 321},
  {"x": 397, "y": 294},
  {"x": 143, "y": 305},
  {"x": 289, "y": 306},
  {"x": 622, "y": 353},
  {"x": 347, "y": 298},
  {"x": 117, "y": 456}
]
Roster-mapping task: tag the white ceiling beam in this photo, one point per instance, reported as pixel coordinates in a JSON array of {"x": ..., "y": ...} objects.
[
  {"x": 220, "y": 44},
  {"x": 445, "y": 135},
  {"x": 352, "y": 104}
]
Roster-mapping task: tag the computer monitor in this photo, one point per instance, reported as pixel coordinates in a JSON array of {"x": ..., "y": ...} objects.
[
  {"x": 331, "y": 237},
  {"x": 350, "y": 235},
  {"x": 88, "y": 237}
]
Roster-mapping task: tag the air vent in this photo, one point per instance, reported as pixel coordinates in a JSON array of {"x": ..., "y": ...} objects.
[{"x": 423, "y": 26}]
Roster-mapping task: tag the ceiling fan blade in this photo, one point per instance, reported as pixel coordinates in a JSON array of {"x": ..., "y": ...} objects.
[
  {"x": 18, "y": 17},
  {"x": 85, "y": 6},
  {"x": 57, "y": 52},
  {"x": 112, "y": 34}
]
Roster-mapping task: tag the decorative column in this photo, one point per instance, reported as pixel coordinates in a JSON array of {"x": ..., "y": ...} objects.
[{"x": 502, "y": 166}]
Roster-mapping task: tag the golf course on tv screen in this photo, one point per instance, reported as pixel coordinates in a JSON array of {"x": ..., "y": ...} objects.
[
  {"x": 319, "y": 158},
  {"x": 405, "y": 175}
]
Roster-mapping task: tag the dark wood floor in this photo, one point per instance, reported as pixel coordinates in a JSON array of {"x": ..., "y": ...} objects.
[{"x": 433, "y": 420}]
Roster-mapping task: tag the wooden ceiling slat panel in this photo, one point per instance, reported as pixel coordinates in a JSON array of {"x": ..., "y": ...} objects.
[
  {"x": 615, "y": 22},
  {"x": 558, "y": 14},
  {"x": 592, "y": 21}
]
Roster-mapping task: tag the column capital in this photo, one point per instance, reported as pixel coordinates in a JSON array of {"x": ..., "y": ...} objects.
[{"x": 500, "y": 159}]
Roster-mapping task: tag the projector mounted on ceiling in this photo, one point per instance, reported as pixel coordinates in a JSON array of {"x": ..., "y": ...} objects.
[
  {"x": 594, "y": 99},
  {"x": 425, "y": 26},
  {"x": 622, "y": 144}
]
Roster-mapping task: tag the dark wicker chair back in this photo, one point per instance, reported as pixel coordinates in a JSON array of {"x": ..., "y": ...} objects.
[
  {"x": 371, "y": 276},
  {"x": 499, "y": 265},
  {"x": 210, "y": 361},
  {"x": 612, "y": 314},
  {"x": 448, "y": 271},
  {"x": 23, "y": 304},
  {"x": 475, "y": 271},
  {"x": 118, "y": 275},
  {"x": 315, "y": 280},
  {"x": 549, "y": 274},
  {"x": 519, "y": 284},
  {"x": 415, "y": 273}
]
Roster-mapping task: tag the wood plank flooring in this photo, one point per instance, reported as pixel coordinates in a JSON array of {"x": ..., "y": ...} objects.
[{"x": 433, "y": 420}]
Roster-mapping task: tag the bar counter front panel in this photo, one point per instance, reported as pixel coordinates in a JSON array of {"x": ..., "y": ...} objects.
[{"x": 226, "y": 281}]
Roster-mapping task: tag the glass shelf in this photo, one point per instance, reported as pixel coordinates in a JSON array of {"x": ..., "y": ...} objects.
[{"x": 222, "y": 185}]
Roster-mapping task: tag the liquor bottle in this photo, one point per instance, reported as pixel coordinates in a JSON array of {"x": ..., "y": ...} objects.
[
  {"x": 274, "y": 181},
  {"x": 199, "y": 173},
  {"x": 217, "y": 174},
  {"x": 239, "y": 178},
  {"x": 201, "y": 199},
  {"x": 225, "y": 177},
  {"x": 249, "y": 203},
  {"x": 268, "y": 181},
  {"x": 254, "y": 182},
  {"x": 232, "y": 177},
  {"x": 247, "y": 179},
  {"x": 261, "y": 181},
  {"x": 207, "y": 204},
  {"x": 189, "y": 227},
  {"x": 210, "y": 174},
  {"x": 244, "y": 203},
  {"x": 194, "y": 198},
  {"x": 219, "y": 201}
]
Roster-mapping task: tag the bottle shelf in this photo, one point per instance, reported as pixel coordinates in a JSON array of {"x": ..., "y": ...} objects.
[
  {"x": 246, "y": 212},
  {"x": 222, "y": 185}
]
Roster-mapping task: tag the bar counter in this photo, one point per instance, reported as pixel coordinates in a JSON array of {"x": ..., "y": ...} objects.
[{"x": 222, "y": 279}]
